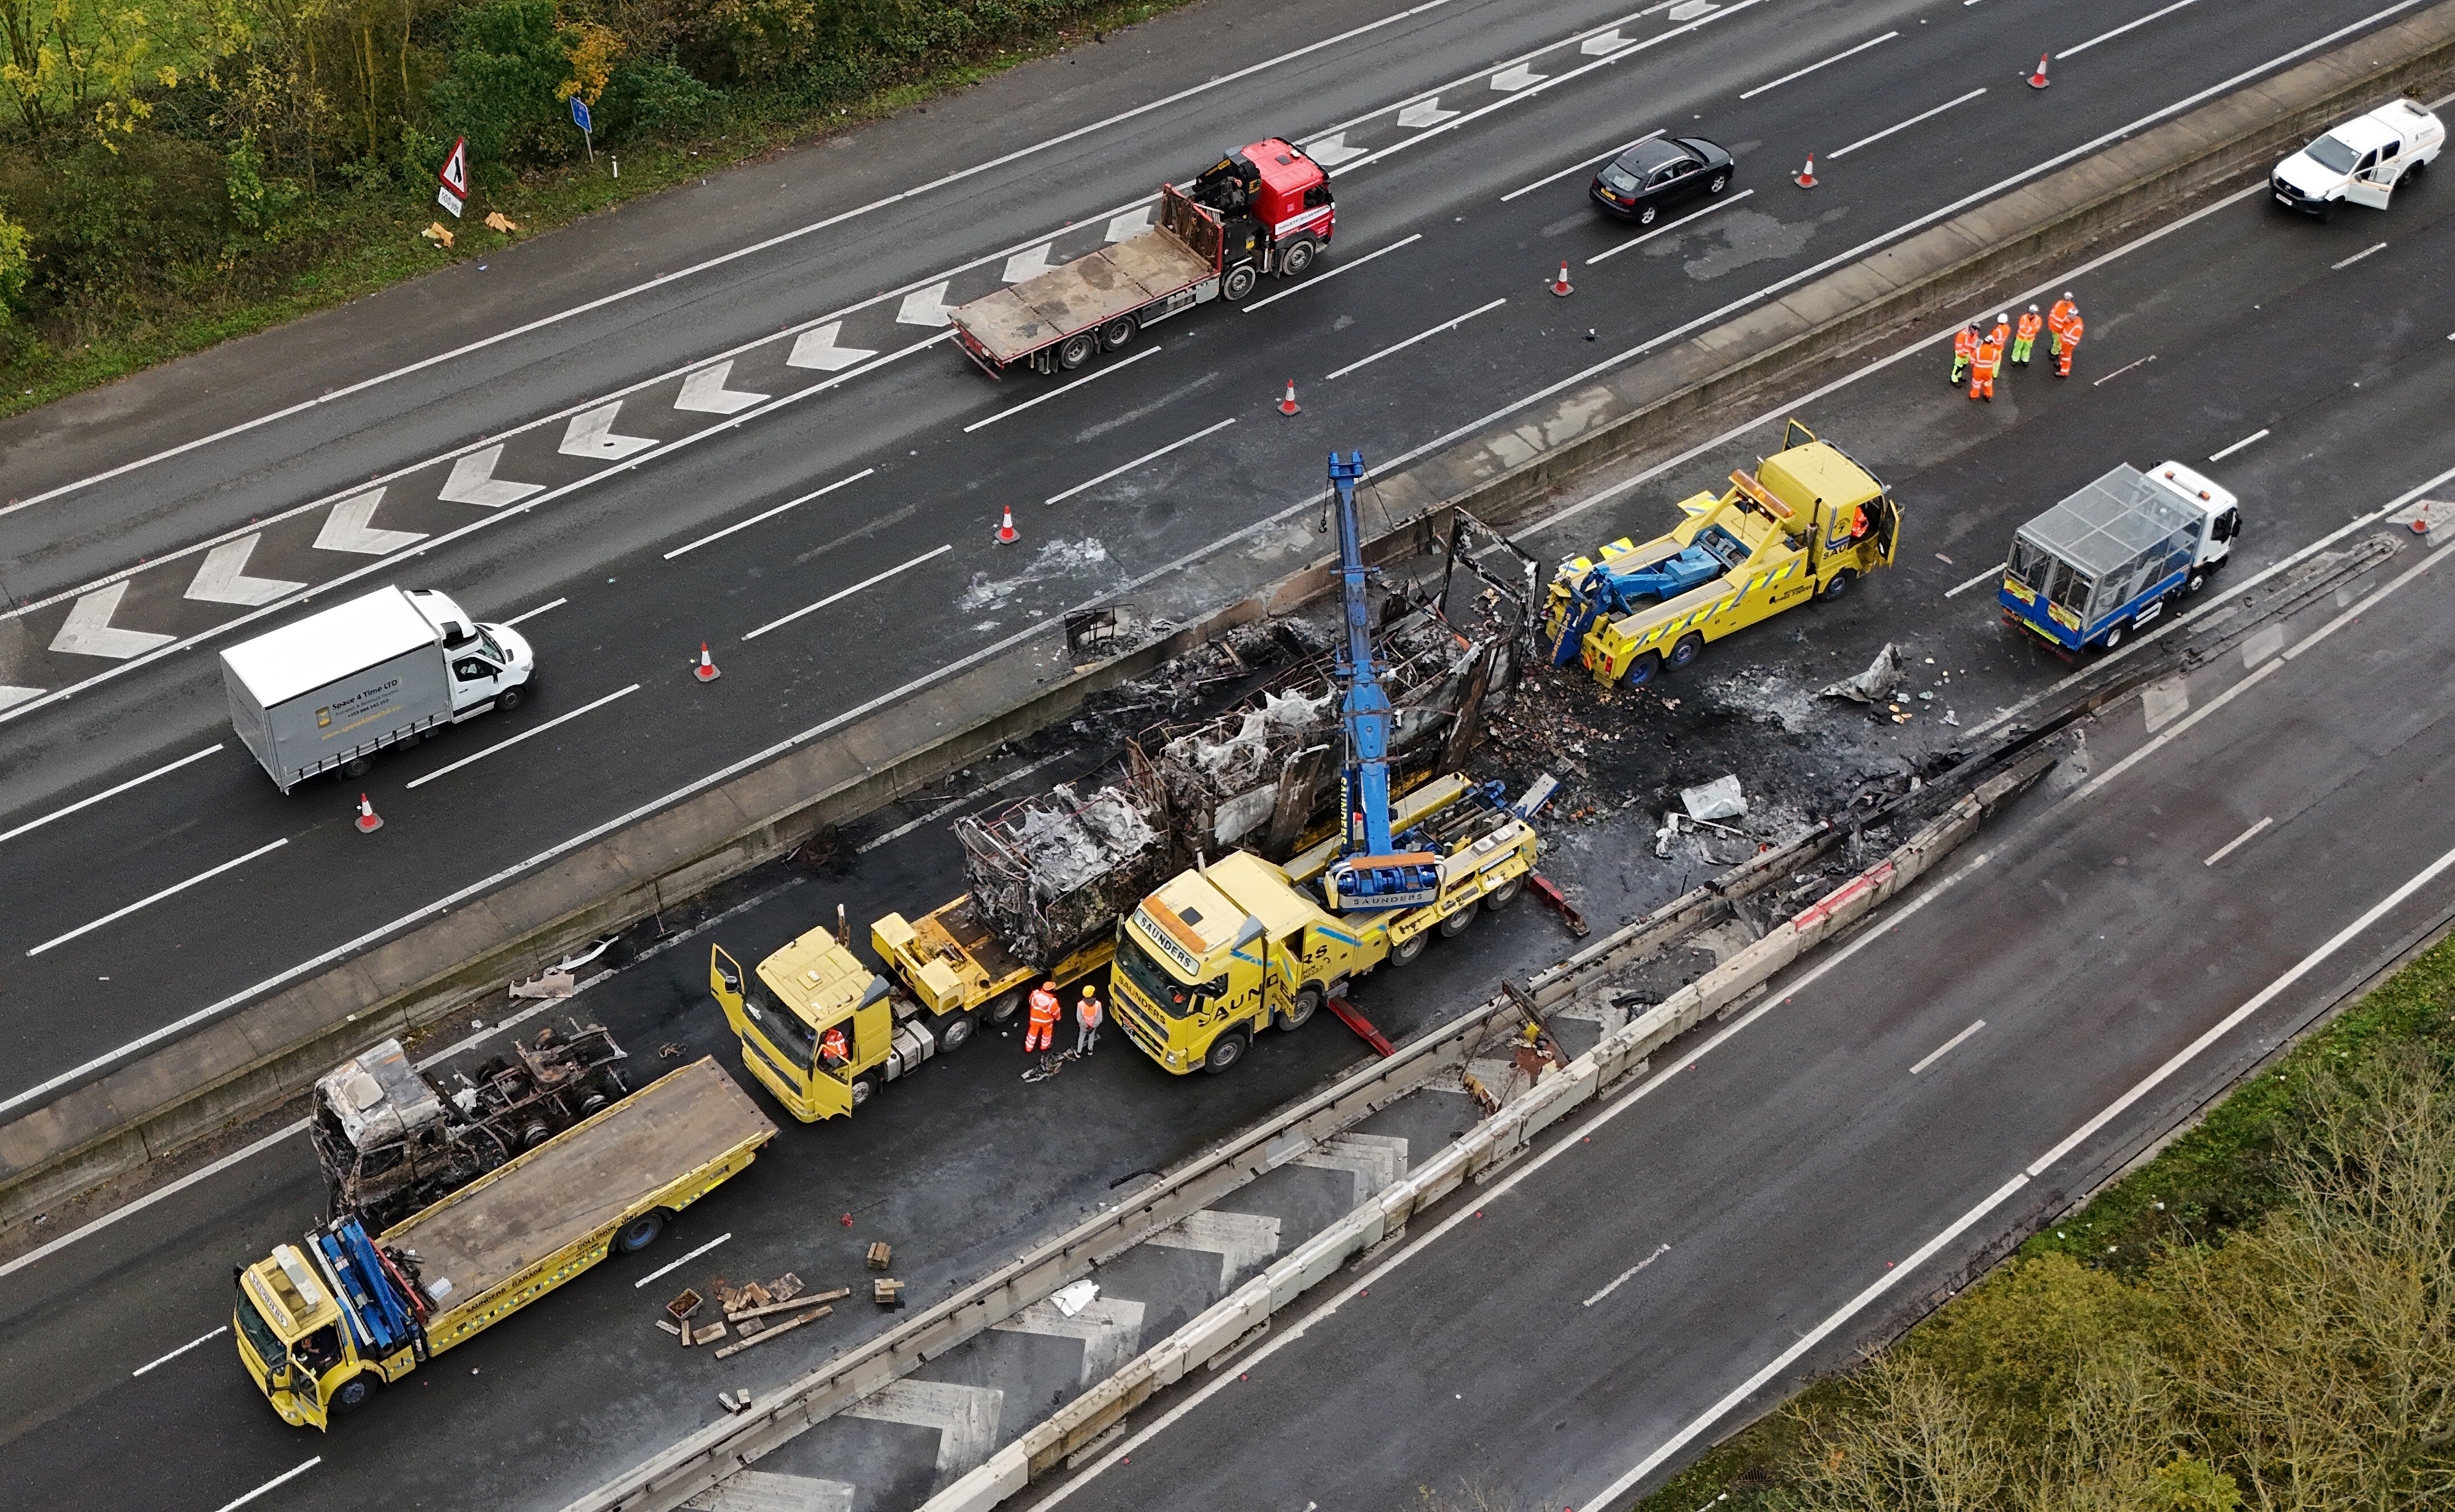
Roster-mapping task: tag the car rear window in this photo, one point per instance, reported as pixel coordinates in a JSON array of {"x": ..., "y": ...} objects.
[
  {"x": 1619, "y": 179},
  {"x": 2332, "y": 155}
]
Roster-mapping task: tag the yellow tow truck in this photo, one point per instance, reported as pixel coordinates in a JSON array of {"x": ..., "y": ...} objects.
[
  {"x": 1808, "y": 524},
  {"x": 811, "y": 987}
]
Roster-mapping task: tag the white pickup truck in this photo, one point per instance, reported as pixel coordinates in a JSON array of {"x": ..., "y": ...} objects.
[{"x": 2363, "y": 160}]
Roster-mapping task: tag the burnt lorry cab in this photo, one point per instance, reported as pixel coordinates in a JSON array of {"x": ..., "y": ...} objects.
[{"x": 1276, "y": 209}]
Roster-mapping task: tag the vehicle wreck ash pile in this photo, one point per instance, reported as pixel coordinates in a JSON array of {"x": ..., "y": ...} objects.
[{"x": 1047, "y": 872}]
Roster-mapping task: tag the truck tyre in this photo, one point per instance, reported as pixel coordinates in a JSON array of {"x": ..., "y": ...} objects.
[
  {"x": 1455, "y": 924},
  {"x": 508, "y": 699},
  {"x": 956, "y": 1033},
  {"x": 1839, "y": 586},
  {"x": 353, "y": 1394},
  {"x": 1644, "y": 669},
  {"x": 1300, "y": 1009},
  {"x": 2114, "y": 637},
  {"x": 640, "y": 1232},
  {"x": 1505, "y": 894},
  {"x": 1239, "y": 283},
  {"x": 864, "y": 1088},
  {"x": 1685, "y": 651},
  {"x": 356, "y": 767},
  {"x": 2198, "y": 580},
  {"x": 1117, "y": 332},
  {"x": 1001, "y": 1007},
  {"x": 1297, "y": 260},
  {"x": 1226, "y": 1050},
  {"x": 1405, "y": 952},
  {"x": 1077, "y": 351}
]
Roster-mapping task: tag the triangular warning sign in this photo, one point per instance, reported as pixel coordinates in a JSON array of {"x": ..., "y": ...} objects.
[{"x": 455, "y": 170}]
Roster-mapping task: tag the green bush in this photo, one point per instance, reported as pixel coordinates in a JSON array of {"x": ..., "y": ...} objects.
[
  {"x": 507, "y": 61},
  {"x": 654, "y": 99}
]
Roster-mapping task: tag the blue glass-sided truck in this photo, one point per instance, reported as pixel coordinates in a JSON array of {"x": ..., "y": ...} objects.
[{"x": 2116, "y": 555}]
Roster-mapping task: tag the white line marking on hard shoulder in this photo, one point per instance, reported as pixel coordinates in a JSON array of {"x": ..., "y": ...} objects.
[
  {"x": 1614, "y": 251},
  {"x": 790, "y": 503},
  {"x": 1621, "y": 1280},
  {"x": 1946, "y": 1047},
  {"x": 1068, "y": 388},
  {"x": 871, "y": 581},
  {"x": 1960, "y": 588},
  {"x": 1321, "y": 279},
  {"x": 279, "y": 1480},
  {"x": 2128, "y": 366},
  {"x": 2358, "y": 256},
  {"x": 142, "y": 903},
  {"x": 2255, "y": 436},
  {"x": 1553, "y": 178},
  {"x": 160, "y": 1194},
  {"x": 542, "y": 608},
  {"x": 671, "y": 1266},
  {"x": 953, "y": 803},
  {"x": 1146, "y": 456},
  {"x": 1449, "y": 324},
  {"x": 739, "y": 253},
  {"x": 2104, "y": 36},
  {"x": 1904, "y": 126},
  {"x": 2227, "y": 848},
  {"x": 181, "y": 1350},
  {"x": 506, "y": 745},
  {"x": 108, "y": 792},
  {"x": 1837, "y": 58}
]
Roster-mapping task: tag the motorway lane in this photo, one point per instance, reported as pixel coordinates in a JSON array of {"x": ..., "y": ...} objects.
[{"x": 235, "y": 929}]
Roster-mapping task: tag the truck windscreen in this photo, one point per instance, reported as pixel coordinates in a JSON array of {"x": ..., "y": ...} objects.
[
  {"x": 2333, "y": 156},
  {"x": 786, "y": 1030},
  {"x": 1153, "y": 981},
  {"x": 260, "y": 1337}
]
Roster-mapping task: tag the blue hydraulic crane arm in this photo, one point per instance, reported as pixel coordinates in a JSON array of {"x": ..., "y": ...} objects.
[{"x": 1366, "y": 709}]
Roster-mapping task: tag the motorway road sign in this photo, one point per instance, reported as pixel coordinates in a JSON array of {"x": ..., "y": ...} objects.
[
  {"x": 579, "y": 114},
  {"x": 455, "y": 172}
]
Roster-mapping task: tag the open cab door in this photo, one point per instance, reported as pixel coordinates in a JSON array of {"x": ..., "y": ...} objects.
[
  {"x": 1794, "y": 434},
  {"x": 1888, "y": 528},
  {"x": 725, "y": 985},
  {"x": 2373, "y": 181}
]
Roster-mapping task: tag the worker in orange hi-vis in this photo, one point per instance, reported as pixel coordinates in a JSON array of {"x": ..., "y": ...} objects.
[
  {"x": 2056, "y": 320},
  {"x": 2001, "y": 334},
  {"x": 834, "y": 1050},
  {"x": 1087, "y": 1014},
  {"x": 1041, "y": 1033},
  {"x": 2071, "y": 343},
  {"x": 1982, "y": 372},
  {"x": 2024, "y": 339},
  {"x": 1964, "y": 351}
]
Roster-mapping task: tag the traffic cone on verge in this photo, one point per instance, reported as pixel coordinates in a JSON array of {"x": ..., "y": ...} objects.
[
  {"x": 1560, "y": 286},
  {"x": 1807, "y": 174},
  {"x": 705, "y": 671},
  {"x": 2039, "y": 79},
  {"x": 1287, "y": 405},
  {"x": 368, "y": 821},
  {"x": 1007, "y": 534}
]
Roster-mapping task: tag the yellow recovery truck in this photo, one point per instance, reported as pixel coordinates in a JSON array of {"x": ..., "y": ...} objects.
[
  {"x": 810, "y": 988},
  {"x": 321, "y": 1325},
  {"x": 1806, "y": 525}
]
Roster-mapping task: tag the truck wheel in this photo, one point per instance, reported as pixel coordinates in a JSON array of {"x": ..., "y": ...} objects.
[
  {"x": 1300, "y": 1009},
  {"x": 353, "y": 1394},
  {"x": 508, "y": 699},
  {"x": 1118, "y": 331},
  {"x": 1405, "y": 952},
  {"x": 1644, "y": 669},
  {"x": 355, "y": 766},
  {"x": 957, "y": 1033},
  {"x": 1240, "y": 282},
  {"x": 1226, "y": 1050},
  {"x": 1001, "y": 1007},
  {"x": 2114, "y": 637},
  {"x": 1505, "y": 894},
  {"x": 639, "y": 1233},
  {"x": 1455, "y": 924},
  {"x": 864, "y": 1088},
  {"x": 1077, "y": 351},
  {"x": 1839, "y": 586},
  {"x": 1297, "y": 260},
  {"x": 2198, "y": 580},
  {"x": 1685, "y": 651}
]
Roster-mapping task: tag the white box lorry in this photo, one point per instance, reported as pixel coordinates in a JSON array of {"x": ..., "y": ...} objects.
[
  {"x": 329, "y": 691},
  {"x": 2362, "y": 161}
]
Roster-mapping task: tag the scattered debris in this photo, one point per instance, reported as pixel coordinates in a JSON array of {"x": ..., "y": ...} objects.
[
  {"x": 670, "y": 1326},
  {"x": 682, "y": 1307},
  {"x": 498, "y": 221},
  {"x": 886, "y": 1292},
  {"x": 880, "y": 1253},
  {"x": 1545, "y": 888},
  {"x": 752, "y": 1340},
  {"x": 436, "y": 233},
  {"x": 1882, "y": 675},
  {"x": 1718, "y": 799},
  {"x": 552, "y": 984},
  {"x": 671, "y": 1050}
]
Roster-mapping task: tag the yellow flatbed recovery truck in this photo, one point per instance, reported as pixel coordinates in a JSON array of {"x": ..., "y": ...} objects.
[
  {"x": 1808, "y": 524},
  {"x": 321, "y": 1326}
]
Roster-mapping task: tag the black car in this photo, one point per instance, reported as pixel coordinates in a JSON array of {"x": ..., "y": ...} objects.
[{"x": 1649, "y": 178}]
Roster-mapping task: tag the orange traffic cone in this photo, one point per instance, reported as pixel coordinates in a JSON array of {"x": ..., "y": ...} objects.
[
  {"x": 705, "y": 671},
  {"x": 368, "y": 821},
  {"x": 1807, "y": 174},
  {"x": 1560, "y": 285},
  {"x": 1287, "y": 405},
  {"x": 2039, "y": 79},
  {"x": 1007, "y": 534}
]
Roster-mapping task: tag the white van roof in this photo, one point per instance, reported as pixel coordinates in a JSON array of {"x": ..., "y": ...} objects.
[
  {"x": 2197, "y": 488},
  {"x": 299, "y": 657}
]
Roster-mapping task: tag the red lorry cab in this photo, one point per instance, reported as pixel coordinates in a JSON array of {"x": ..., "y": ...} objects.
[{"x": 1283, "y": 193}]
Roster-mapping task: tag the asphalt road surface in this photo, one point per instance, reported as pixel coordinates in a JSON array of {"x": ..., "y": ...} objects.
[{"x": 831, "y": 539}]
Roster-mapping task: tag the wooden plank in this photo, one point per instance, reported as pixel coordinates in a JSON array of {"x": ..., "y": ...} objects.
[
  {"x": 760, "y": 1338},
  {"x": 795, "y": 1305}
]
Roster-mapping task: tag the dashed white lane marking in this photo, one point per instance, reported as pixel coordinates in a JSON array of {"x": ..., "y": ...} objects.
[
  {"x": 2164, "y": 702},
  {"x": 1960, "y": 588},
  {"x": 770, "y": 514},
  {"x": 108, "y": 792},
  {"x": 1922, "y": 116},
  {"x": 1947, "y": 1046},
  {"x": 506, "y": 745},
  {"x": 1749, "y": 94},
  {"x": 1451, "y": 324},
  {"x": 2356, "y": 256},
  {"x": 283, "y": 1479},
  {"x": 2107, "y": 36},
  {"x": 845, "y": 593},
  {"x": 1722, "y": 204},
  {"x": 351, "y": 527},
  {"x": 1623, "y": 1277},
  {"x": 144, "y": 903},
  {"x": 676, "y": 1264},
  {"x": 1553, "y": 178},
  {"x": 951, "y": 805},
  {"x": 1064, "y": 388},
  {"x": 1322, "y": 278},
  {"x": 2227, "y": 848},
  {"x": 816, "y": 348},
  {"x": 88, "y": 630},
  {"x": 552, "y": 603},
  {"x": 1146, "y": 456},
  {"x": 2255, "y": 436},
  {"x": 704, "y": 393},
  {"x": 181, "y": 1350},
  {"x": 473, "y": 481},
  {"x": 221, "y": 577}
]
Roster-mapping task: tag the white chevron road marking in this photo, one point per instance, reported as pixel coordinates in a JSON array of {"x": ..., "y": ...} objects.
[
  {"x": 89, "y": 632},
  {"x": 1425, "y": 113},
  {"x": 705, "y": 393},
  {"x": 1030, "y": 264},
  {"x": 223, "y": 578},
  {"x": 817, "y": 348},
  {"x": 473, "y": 481},
  {"x": 1132, "y": 223},
  {"x": 591, "y": 435},
  {"x": 923, "y": 307},
  {"x": 966, "y": 1417},
  {"x": 1508, "y": 81},
  {"x": 1606, "y": 42},
  {"x": 349, "y": 528}
]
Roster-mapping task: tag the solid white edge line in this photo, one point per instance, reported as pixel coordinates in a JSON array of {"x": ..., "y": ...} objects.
[
  {"x": 769, "y": 514},
  {"x": 721, "y": 259},
  {"x": 280, "y": 1479},
  {"x": 1147, "y": 456},
  {"x": 2241, "y": 839},
  {"x": 1947, "y": 1046},
  {"x": 1344, "y": 267},
  {"x": 144, "y": 903},
  {"x": 1922, "y": 116},
  {"x": 2107, "y": 36},
  {"x": 181, "y": 1350},
  {"x": 1837, "y": 58},
  {"x": 1719, "y": 204},
  {"x": 108, "y": 792},
  {"x": 1451, "y": 324},
  {"x": 539, "y": 609},
  {"x": 2255, "y": 436},
  {"x": 2356, "y": 258},
  {"x": 1960, "y": 588},
  {"x": 1589, "y": 162},
  {"x": 676, "y": 1264},
  {"x": 1117, "y": 366},
  {"x": 506, "y": 745},
  {"x": 159, "y": 1194},
  {"x": 841, "y": 594}
]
